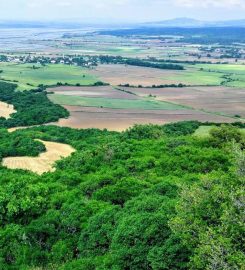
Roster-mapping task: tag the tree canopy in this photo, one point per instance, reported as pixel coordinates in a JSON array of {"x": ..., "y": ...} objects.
[{"x": 153, "y": 197}]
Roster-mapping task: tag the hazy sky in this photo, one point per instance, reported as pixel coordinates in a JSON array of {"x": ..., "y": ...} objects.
[{"x": 120, "y": 10}]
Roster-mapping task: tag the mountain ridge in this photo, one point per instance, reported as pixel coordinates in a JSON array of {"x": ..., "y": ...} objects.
[{"x": 190, "y": 22}]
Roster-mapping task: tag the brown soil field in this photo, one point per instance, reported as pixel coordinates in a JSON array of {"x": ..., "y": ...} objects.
[
  {"x": 121, "y": 74},
  {"x": 119, "y": 120},
  {"x": 96, "y": 91},
  {"x": 6, "y": 110},
  {"x": 230, "y": 101},
  {"x": 44, "y": 162},
  {"x": 207, "y": 102}
]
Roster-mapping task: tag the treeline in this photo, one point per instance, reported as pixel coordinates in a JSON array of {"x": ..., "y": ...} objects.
[
  {"x": 150, "y": 198},
  {"x": 33, "y": 107},
  {"x": 13, "y": 145},
  {"x": 194, "y": 62},
  {"x": 143, "y": 63},
  {"x": 106, "y": 59},
  {"x": 179, "y": 85},
  {"x": 98, "y": 83}
]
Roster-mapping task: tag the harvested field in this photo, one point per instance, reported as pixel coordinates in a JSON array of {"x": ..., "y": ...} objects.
[
  {"x": 44, "y": 162},
  {"x": 92, "y": 92},
  {"x": 6, "y": 110},
  {"x": 119, "y": 120},
  {"x": 121, "y": 74},
  {"x": 106, "y": 107},
  {"x": 134, "y": 75},
  {"x": 225, "y": 100}
]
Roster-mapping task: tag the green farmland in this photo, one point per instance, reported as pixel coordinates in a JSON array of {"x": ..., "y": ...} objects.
[
  {"x": 146, "y": 104},
  {"x": 232, "y": 75},
  {"x": 28, "y": 77},
  {"x": 210, "y": 75},
  {"x": 225, "y": 68},
  {"x": 193, "y": 76}
]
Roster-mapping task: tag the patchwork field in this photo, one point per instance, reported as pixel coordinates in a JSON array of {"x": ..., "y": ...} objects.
[
  {"x": 6, "y": 110},
  {"x": 222, "y": 100},
  {"x": 114, "y": 109},
  {"x": 193, "y": 75},
  {"x": 211, "y": 95},
  {"x": 44, "y": 162},
  {"x": 28, "y": 77},
  {"x": 107, "y": 97},
  {"x": 119, "y": 120}
]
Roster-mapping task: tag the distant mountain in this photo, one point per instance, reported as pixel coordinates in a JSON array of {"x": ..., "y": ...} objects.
[
  {"x": 30, "y": 24},
  {"x": 188, "y": 22},
  {"x": 63, "y": 24},
  {"x": 238, "y": 23},
  {"x": 178, "y": 22},
  {"x": 181, "y": 22}
]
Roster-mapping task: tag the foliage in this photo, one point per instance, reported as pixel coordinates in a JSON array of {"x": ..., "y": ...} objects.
[
  {"x": 33, "y": 107},
  {"x": 107, "y": 59},
  {"x": 210, "y": 222},
  {"x": 14, "y": 145},
  {"x": 226, "y": 133},
  {"x": 153, "y": 197},
  {"x": 140, "y": 63},
  {"x": 181, "y": 128}
]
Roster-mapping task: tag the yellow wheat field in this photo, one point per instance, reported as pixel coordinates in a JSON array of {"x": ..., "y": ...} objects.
[
  {"x": 44, "y": 162},
  {"x": 6, "y": 110}
]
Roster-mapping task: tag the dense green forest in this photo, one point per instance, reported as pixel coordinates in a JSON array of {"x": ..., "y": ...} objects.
[
  {"x": 143, "y": 63},
  {"x": 33, "y": 107},
  {"x": 153, "y": 197}
]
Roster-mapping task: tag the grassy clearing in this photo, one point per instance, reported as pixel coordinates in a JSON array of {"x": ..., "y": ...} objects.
[
  {"x": 236, "y": 84},
  {"x": 203, "y": 131},
  {"x": 28, "y": 78},
  {"x": 44, "y": 162},
  {"x": 196, "y": 77},
  {"x": 6, "y": 110},
  {"x": 112, "y": 103}
]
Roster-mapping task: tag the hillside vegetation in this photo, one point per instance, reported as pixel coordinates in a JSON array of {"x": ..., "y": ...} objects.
[
  {"x": 32, "y": 107},
  {"x": 153, "y": 197}
]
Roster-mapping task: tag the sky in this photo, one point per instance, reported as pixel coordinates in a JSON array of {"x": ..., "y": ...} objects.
[{"x": 120, "y": 10}]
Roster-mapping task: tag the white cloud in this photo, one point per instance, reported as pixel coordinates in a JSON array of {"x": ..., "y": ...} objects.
[
  {"x": 121, "y": 10},
  {"x": 64, "y": 4},
  {"x": 211, "y": 3}
]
